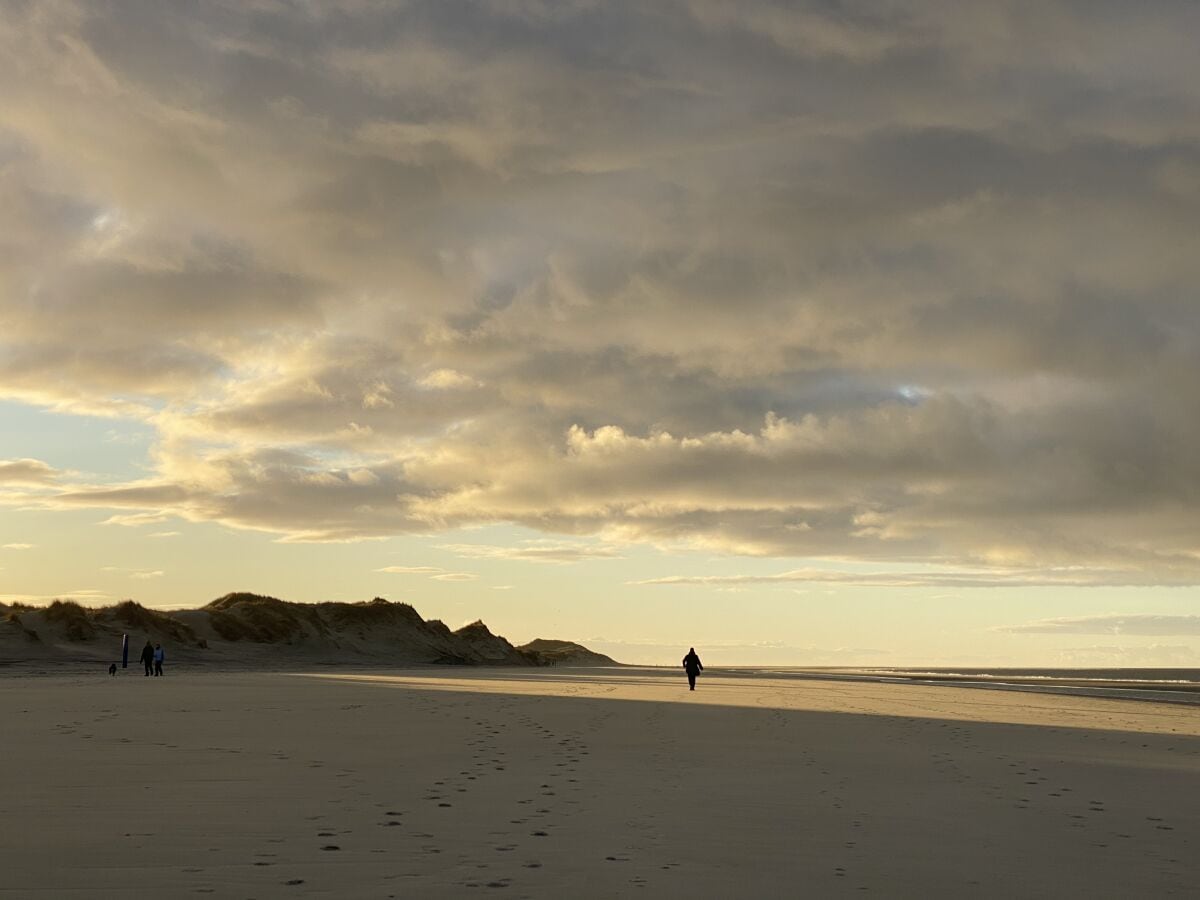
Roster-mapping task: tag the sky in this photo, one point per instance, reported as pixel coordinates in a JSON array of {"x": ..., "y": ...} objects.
[{"x": 826, "y": 333}]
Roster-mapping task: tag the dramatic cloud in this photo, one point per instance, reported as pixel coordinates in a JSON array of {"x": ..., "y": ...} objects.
[
  {"x": 910, "y": 283},
  {"x": 1141, "y": 625}
]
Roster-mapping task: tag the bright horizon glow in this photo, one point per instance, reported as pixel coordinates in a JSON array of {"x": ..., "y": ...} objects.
[{"x": 803, "y": 334}]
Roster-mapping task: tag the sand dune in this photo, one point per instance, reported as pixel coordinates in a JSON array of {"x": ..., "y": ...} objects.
[
  {"x": 251, "y": 631},
  {"x": 603, "y": 783}
]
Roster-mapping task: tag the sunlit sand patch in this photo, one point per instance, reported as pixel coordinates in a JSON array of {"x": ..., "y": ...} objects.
[{"x": 814, "y": 694}]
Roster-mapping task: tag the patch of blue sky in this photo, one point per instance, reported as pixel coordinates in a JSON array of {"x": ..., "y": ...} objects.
[
  {"x": 108, "y": 449},
  {"x": 912, "y": 393}
]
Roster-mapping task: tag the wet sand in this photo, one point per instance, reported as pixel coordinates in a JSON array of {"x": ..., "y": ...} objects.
[{"x": 615, "y": 783}]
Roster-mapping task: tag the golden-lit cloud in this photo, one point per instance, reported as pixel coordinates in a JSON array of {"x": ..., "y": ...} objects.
[
  {"x": 434, "y": 572},
  {"x": 550, "y": 551},
  {"x": 26, "y": 472},
  {"x": 138, "y": 574}
]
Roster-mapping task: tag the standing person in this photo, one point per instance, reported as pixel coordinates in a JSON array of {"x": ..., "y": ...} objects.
[
  {"x": 148, "y": 656},
  {"x": 159, "y": 656},
  {"x": 693, "y": 667}
]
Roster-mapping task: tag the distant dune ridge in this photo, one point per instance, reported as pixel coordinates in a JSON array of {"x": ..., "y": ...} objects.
[{"x": 251, "y": 630}]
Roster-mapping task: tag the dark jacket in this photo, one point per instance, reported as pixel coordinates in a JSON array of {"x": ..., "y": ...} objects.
[
  {"x": 148, "y": 654},
  {"x": 692, "y": 664}
]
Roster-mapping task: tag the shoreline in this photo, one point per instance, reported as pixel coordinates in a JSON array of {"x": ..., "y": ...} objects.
[
  {"x": 1178, "y": 692},
  {"x": 1140, "y": 690}
]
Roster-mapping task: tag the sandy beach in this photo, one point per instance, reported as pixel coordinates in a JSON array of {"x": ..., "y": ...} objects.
[{"x": 613, "y": 783}]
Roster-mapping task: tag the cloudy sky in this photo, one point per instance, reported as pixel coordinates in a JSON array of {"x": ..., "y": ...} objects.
[{"x": 801, "y": 332}]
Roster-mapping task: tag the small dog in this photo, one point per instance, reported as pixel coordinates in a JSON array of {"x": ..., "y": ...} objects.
[{"x": 112, "y": 670}]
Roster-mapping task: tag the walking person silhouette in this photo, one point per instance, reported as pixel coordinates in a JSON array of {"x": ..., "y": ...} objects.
[{"x": 693, "y": 667}]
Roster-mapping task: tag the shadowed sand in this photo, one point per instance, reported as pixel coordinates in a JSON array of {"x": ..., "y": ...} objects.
[{"x": 599, "y": 784}]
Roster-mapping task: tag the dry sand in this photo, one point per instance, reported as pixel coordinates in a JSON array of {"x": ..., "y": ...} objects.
[{"x": 617, "y": 783}]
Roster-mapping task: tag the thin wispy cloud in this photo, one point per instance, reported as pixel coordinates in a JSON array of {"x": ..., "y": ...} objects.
[
  {"x": 547, "y": 551},
  {"x": 139, "y": 574},
  {"x": 990, "y": 578},
  {"x": 136, "y": 520},
  {"x": 434, "y": 572},
  {"x": 1139, "y": 624},
  {"x": 17, "y": 546}
]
